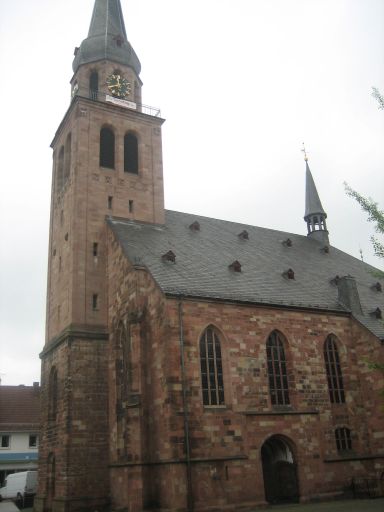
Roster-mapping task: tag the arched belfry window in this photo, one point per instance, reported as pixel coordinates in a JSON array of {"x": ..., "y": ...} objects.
[
  {"x": 52, "y": 394},
  {"x": 131, "y": 153},
  {"x": 277, "y": 369},
  {"x": 93, "y": 85},
  {"x": 107, "y": 148},
  {"x": 211, "y": 368},
  {"x": 60, "y": 170},
  {"x": 67, "y": 157},
  {"x": 333, "y": 368}
]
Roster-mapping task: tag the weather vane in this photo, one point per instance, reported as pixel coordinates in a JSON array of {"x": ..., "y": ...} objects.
[{"x": 305, "y": 153}]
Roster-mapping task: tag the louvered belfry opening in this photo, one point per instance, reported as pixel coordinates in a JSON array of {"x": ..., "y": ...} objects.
[
  {"x": 107, "y": 148},
  {"x": 131, "y": 153},
  {"x": 211, "y": 368},
  {"x": 93, "y": 85}
]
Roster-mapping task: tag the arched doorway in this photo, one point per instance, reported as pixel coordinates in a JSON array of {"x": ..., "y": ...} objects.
[{"x": 279, "y": 471}]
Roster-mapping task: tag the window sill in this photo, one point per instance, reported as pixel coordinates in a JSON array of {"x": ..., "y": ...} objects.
[
  {"x": 279, "y": 412},
  {"x": 215, "y": 407}
]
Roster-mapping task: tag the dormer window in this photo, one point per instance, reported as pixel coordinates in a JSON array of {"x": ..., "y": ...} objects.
[
  {"x": 377, "y": 286},
  {"x": 289, "y": 274},
  {"x": 235, "y": 266},
  {"x": 195, "y": 226},
  {"x": 119, "y": 40},
  {"x": 326, "y": 249},
  {"x": 335, "y": 280},
  {"x": 243, "y": 235},
  {"x": 288, "y": 242},
  {"x": 169, "y": 256},
  {"x": 377, "y": 313}
]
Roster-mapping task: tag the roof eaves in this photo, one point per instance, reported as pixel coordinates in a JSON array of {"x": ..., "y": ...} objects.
[{"x": 260, "y": 303}]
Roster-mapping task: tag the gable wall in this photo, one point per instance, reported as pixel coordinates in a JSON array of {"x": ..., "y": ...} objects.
[{"x": 246, "y": 422}]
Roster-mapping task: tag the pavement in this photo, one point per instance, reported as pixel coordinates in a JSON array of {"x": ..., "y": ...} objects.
[
  {"x": 375, "y": 505},
  {"x": 8, "y": 506}
]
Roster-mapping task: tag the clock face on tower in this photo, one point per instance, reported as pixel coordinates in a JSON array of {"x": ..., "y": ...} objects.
[{"x": 118, "y": 86}]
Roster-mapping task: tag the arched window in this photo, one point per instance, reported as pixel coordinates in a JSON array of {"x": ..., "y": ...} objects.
[
  {"x": 60, "y": 170},
  {"x": 67, "y": 157},
  {"x": 211, "y": 368},
  {"x": 107, "y": 148},
  {"x": 52, "y": 394},
  {"x": 93, "y": 85},
  {"x": 131, "y": 154},
  {"x": 343, "y": 439},
  {"x": 124, "y": 370},
  {"x": 277, "y": 370},
  {"x": 333, "y": 368}
]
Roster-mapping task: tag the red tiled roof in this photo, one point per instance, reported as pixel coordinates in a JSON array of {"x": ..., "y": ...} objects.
[{"x": 19, "y": 406}]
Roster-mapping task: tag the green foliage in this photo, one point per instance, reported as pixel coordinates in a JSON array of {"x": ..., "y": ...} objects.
[
  {"x": 380, "y": 99},
  {"x": 375, "y": 215}
]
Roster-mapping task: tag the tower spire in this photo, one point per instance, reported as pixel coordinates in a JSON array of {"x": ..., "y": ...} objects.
[
  {"x": 314, "y": 213},
  {"x": 107, "y": 38}
]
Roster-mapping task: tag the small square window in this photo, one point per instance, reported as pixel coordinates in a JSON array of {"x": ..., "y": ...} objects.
[
  {"x": 33, "y": 441},
  {"x": 5, "y": 441}
]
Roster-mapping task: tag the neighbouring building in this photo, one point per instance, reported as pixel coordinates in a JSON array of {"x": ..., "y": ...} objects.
[
  {"x": 19, "y": 428},
  {"x": 191, "y": 363}
]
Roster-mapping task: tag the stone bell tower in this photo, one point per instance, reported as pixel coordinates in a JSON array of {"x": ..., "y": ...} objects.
[{"x": 107, "y": 160}]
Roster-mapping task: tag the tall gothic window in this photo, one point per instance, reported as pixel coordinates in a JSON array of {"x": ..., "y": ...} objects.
[
  {"x": 67, "y": 157},
  {"x": 52, "y": 394},
  {"x": 333, "y": 368},
  {"x": 277, "y": 370},
  {"x": 93, "y": 85},
  {"x": 60, "y": 170},
  {"x": 131, "y": 154},
  {"x": 107, "y": 148},
  {"x": 343, "y": 439},
  {"x": 211, "y": 368},
  {"x": 124, "y": 377}
]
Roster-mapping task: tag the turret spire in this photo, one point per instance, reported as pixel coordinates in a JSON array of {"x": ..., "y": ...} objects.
[
  {"x": 107, "y": 38},
  {"x": 314, "y": 213}
]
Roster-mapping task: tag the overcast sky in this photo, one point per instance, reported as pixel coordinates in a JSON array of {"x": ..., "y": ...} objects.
[{"x": 241, "y": 84}]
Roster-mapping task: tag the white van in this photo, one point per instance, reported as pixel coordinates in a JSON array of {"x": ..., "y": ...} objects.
[{"x": 19, "y": 486}]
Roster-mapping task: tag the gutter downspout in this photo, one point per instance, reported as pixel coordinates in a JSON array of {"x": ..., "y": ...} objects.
[{"x": 185, "y": 411}]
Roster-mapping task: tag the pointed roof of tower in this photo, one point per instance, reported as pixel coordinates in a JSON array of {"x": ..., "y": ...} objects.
[
  {"x": 312, "y": 200},
  {"x": 107, "y": 38}
]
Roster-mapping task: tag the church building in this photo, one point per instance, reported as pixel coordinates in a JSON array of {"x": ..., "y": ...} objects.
[{"x": 190, "y": 363}]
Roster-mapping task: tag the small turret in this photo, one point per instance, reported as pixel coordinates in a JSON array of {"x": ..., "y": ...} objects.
[{"x": 314, "y": 213}]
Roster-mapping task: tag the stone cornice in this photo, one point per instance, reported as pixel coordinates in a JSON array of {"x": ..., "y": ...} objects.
[{"x": 82, "y": 332}]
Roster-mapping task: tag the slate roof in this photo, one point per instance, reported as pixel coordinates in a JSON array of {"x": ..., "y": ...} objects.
[
  {"x": 203, "y": 256},
  {"x": 312, "y": 200},
  {"x": 107, "y": 24},
  {"x": 19, "y": 408}
]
